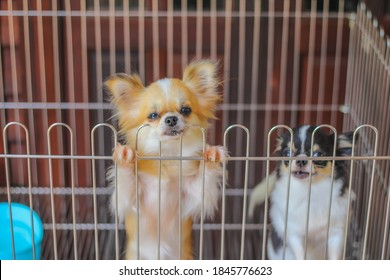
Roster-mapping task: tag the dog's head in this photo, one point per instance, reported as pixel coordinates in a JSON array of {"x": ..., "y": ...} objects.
[
  {"x": 169, "y": 107},
  {"x": 323, "y": 146}
]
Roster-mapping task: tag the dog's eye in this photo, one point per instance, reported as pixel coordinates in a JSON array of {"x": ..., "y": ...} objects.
[
  {"x": 153, "y": 116},
  {"x": 319, "y": 163},
  {"x": 287, "y": 153},
  {"x": 318, "y": 154},
  {"x": 185, "y": 111}
]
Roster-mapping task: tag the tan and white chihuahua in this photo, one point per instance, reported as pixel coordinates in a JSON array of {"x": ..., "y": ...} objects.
[
  {"x": 292, "y": 183},
  {"x": 172, "y": 113}
]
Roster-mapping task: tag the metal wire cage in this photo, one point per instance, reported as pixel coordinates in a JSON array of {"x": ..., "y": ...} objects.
[{"x": 282, "y": 62}]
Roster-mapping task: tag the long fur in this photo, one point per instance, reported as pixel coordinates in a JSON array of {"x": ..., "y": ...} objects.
[
  {"x": 261, "y": 192},
  {"x": 172, "y": 113}
]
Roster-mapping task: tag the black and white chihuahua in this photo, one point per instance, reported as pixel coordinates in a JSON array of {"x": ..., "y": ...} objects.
[{"x": 305, "y": 177}]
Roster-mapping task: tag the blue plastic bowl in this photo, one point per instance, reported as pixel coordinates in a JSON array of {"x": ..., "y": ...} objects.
[{"x": 22, "y": 232}]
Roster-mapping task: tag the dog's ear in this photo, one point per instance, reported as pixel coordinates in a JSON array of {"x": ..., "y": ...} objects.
[
  {"x": 278, "y": 146},
  {"x": 345, "y": 142},
  {"x": 122, "y": 88},
  {"x": 201, "y": 77}
]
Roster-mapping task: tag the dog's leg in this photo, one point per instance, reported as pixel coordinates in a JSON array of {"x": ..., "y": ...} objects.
[
  {"x": 124, "y": 156},
  {"x": 186, "y": 249},
  {"x": 214, "y": 157},
  {"x": 277, "y": 253},
  {"x": 209, "y": 177},
  {"x": 335, "y": 244},
  {"x": 296, "y": 244},
  {"x": 122, "y": 179}
]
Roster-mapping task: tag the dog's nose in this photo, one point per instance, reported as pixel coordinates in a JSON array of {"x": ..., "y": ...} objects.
[
  {"x": 171, "y": 121},
  {"x": 301, "y": 163}
]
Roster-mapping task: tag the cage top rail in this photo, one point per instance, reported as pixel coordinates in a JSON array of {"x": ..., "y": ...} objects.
[
  {"x": 164, "y": 14},
  {"x": 224, "y": 107},
  {"x": 93, "y": 156}
]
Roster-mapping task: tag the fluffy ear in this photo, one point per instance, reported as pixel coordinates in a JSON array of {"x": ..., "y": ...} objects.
[
  {"x": 202, "y": 78},
  {"x": 278, "y": 147},
  {"x": 283, "y": 137},
  {"x": 344, "y": 143},
  {"x": 122, "y": 87}
]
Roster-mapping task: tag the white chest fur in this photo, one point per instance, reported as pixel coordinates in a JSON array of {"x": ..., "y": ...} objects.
[{"x": 317, "y": 209}]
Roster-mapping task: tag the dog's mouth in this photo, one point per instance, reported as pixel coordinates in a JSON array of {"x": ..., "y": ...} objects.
[
  {"x": 301, "y": 174},
  {"x": 174, "y": 132}
]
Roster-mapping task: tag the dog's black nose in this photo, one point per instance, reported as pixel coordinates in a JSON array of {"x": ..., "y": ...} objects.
[
  {"x": 171, "y": 121},
  {"x": 301, "y": 163}
]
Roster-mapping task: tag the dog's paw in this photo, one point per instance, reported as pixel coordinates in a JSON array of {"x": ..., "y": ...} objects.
[
  {"x": 123, "y": 155},
  {"x": 215, "y": 154}
]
